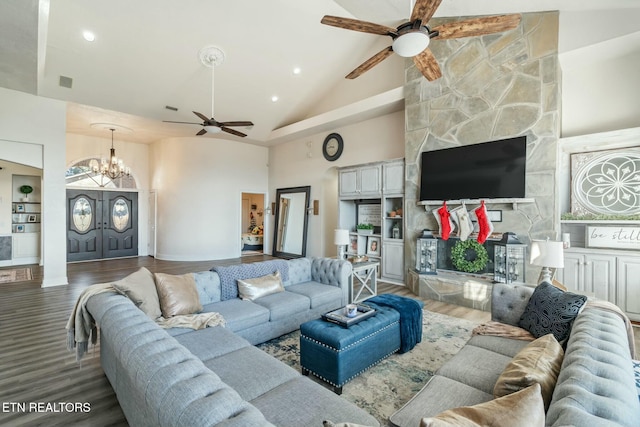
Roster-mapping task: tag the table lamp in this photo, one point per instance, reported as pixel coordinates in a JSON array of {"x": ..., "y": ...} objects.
[
  {"x": 547, "y": 254},
  {"x": 341, "y": 239}
]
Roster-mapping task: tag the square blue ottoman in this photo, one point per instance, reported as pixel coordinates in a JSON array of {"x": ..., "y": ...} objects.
[{"x": 337, "y": 354}]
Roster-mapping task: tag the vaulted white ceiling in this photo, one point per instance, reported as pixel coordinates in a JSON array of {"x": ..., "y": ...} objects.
[{"x": 145, "y": 57}]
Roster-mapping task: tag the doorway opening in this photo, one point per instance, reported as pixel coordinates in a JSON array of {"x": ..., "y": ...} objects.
[{"x": 252, "y": 224}]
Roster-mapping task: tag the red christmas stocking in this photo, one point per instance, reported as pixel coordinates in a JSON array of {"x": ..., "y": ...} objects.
[
  {"x": 484, "y": 224},
  {"x": 445, "y": 221}
]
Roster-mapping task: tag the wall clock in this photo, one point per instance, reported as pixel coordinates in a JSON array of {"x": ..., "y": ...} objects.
[{"x": 332, "y": 147}]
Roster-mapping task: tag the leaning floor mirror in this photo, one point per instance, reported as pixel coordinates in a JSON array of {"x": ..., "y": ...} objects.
[{"x": 291, "y": 222}]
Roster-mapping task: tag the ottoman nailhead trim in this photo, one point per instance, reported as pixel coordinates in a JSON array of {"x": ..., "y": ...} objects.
[
  {"x": 352, "y": 344},
  {"x": 355, "y": 374}
]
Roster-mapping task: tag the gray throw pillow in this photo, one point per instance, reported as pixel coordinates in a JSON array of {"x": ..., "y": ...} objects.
[
  {"x": 140, "y": 288},
  {"x": 551, "y": 311}
]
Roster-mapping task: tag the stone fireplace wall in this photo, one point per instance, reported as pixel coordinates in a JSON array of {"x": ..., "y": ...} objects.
[{"x": 493, "y": 87}]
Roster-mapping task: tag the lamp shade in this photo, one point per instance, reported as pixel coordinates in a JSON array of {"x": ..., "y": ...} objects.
[
  {"x": 411, "y": 43},
  {"x": 547, "y": 253},
  {"x": 341, "y": 237}
]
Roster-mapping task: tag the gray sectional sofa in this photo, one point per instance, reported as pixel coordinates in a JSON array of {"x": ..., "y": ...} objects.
[
  {"x": 215, "y": 376},
  {"x": 595, "y": 386}
]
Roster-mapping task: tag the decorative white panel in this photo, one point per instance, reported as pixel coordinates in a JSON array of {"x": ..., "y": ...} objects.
[{"x": 606, "y": 182}]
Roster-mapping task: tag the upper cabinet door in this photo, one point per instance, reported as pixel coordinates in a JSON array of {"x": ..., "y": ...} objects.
[
  {"x": 370, "y": 181},
  {"x": 393, "y": 178},
  {"x": 349, "y": 183}
]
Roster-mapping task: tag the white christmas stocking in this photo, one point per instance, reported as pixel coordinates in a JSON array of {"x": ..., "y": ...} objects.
[{"x": 465, "y": 226}]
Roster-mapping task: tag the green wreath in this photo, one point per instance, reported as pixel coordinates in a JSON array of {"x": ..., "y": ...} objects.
[{"x": 469, "y": 256}]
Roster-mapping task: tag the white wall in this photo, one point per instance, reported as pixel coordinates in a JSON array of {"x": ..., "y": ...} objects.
[
  {"x": 40, "y": 145},
  {"x": 300, "y": 163},
  {"x": 199, "y": 183},
  {"x": 135, "y": 156},
  {"x": 600, "y": 87}
]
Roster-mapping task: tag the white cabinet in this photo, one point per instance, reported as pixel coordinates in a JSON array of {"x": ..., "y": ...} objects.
[
  {"x": 360, "y": 182},
  {"x": 629, "y": 285},
  {"x": 393, "y": 178},
  {"x": 590, "y": 272},
  {"x": 381, "y": 186},
  {"x": 393, "y": 261},
  {"x": 613, "y": 276},
  {"x": 26, "y": 248}
]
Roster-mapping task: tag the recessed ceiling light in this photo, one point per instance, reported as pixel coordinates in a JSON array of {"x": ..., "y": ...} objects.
[
  {"x": 297, "y": 70},
  {"x": 88, "y": 36},
  {"x": 274, "y": 98}
]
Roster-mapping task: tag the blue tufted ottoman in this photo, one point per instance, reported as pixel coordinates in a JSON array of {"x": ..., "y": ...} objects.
[{"x": 336, "y": 354}]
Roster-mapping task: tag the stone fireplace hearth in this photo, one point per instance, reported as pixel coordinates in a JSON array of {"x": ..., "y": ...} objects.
[{"x": 493, "y": 87}]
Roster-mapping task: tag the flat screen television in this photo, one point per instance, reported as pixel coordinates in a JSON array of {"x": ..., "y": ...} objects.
[{"x": 490, "y": 170}]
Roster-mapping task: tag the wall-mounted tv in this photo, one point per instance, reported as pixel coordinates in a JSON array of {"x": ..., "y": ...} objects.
[{"x": 490, "y": 170}]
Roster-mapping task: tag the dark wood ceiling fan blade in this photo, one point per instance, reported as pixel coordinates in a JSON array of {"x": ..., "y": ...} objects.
[
  {"x": 478, "y": 26},
  {"x": 240, "y": 123},
  {"x": 233, "y": 132},
  {"x": 202, "y": 132},
  {"x": 424, "y": 10},
  {"x": 357, "y": 25},
  {"x": 428, "y": 65},
  {"x": 186, "y": 123},
  {"x": 370, "y": 63},
  {"x": 202, "y": 116}
]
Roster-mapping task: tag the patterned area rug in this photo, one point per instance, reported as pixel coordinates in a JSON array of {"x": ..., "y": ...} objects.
[
  {"x": 387, "y": 386},
  {"x": 15, "y": 275}
]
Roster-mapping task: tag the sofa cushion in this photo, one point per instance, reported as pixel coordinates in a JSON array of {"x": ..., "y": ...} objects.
[
  {"x": 465, "y": 367},
  {"x": 140, "y": 288},
  {"x": 250, "y": 371},
  {"x": 551, "y": 310},
  {"x": 318, "y": 293},
  {"x": 537, "y": 363},
  {"x": 251, "y": 289},
  {"x": 503, "y": 345},
  {"x": 299, "y": 271},
  {"x": 177, "y": 294},
  {"x": 520, "y": 409},
  {"x": 239, "y": 314},
  {"x": 213, "y": 342},
  {"x": 438, "y": 395},
  {"x": 284, "y": 304},
  {"x": 208, "y": 286},
  {"x": 282, "y": 405}
]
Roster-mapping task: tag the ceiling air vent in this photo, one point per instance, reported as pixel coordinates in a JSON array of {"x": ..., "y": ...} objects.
[{"x": 66, "y": 82}]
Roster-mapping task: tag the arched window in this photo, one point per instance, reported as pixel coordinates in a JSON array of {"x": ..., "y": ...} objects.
[{"x": 81, "y": 175}]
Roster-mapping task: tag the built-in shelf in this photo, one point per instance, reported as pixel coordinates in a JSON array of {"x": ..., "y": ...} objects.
[
  {"x": 511, "y": 201},
  {"x": 599, "y": 221}
]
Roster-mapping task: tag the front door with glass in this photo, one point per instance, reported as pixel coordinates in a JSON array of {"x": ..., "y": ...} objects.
[{"x": 101, "y": 224}]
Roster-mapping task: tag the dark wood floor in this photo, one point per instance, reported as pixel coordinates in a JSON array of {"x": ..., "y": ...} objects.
[{"x": 36, "y": 367}]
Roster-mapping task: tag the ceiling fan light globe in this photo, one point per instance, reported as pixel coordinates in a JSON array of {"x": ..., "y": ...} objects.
[
  {"x": 411, "y": 43},
  {"x": 213, "y": 129}
]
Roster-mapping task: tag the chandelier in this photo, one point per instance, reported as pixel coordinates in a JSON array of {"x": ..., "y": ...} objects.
[{"x": 112, "y": 168}]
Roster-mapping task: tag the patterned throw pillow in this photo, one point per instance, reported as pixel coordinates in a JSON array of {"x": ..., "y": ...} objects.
[
  {"x": 551, "y": 311},
  {"x": 636, "y": 371}
]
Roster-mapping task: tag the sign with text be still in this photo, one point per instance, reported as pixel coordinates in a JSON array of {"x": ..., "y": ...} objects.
[{"x": 614, "y": 237}]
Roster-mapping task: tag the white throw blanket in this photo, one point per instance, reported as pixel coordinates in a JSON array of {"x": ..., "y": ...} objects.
[
  {"x": 192, "y": 321},
  {"x": 81, "y": 326}
]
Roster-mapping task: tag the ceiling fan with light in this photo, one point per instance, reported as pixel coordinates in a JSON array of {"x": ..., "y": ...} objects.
[
  {"x": 211, "y": 56},
  {"x": 411, "y": 39}
]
